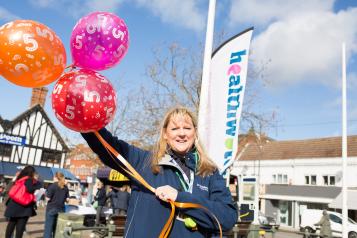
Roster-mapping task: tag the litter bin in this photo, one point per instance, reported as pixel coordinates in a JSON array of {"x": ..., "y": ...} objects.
[{"x": 63, "y": 219}]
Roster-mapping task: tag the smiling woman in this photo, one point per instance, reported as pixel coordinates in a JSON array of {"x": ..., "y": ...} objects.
[{"x": 181, "y": 172}]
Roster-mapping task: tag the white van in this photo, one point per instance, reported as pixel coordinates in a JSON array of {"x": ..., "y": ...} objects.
[{"x": 309, "y": 217}]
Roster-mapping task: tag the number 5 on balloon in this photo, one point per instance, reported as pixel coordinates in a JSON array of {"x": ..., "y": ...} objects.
[{"x": 69, "y": 112}]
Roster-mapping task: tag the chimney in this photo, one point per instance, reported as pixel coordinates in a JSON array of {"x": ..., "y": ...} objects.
[{"x": 38, "y": 96}]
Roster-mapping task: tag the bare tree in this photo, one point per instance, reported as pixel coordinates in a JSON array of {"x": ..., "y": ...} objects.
[{"x": 175, "y": 79}]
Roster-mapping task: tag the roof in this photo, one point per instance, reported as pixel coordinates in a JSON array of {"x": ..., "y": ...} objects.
[
  {"x": 6, "y": 124},
  {"x": 330, "y": 147}
]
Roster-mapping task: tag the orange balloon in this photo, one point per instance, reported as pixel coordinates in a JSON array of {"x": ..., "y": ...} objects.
[{"x": 31, "y": 54}]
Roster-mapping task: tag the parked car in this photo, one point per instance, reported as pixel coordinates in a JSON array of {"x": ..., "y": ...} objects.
[
  {"x": 310, "y": 217},
  {"x": 267, "y": 221}
]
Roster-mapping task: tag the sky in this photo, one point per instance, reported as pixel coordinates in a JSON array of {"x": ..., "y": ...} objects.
[{"x": 299, "y": 44}]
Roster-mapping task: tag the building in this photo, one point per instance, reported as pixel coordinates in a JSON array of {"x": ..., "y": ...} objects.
[
  {"x": 299, "y": 174},
  {"x": 83, "y": 163},
  {"x": 32, "y": 139}
]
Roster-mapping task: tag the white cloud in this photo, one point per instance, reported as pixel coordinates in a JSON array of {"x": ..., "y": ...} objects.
[
  {"x": 78, "y": 9},
  {"x": 7, "y": 16},
  {"x": 262, "y": 13},
  {"x": 306, "y": 47},
  {"x": 184, "y": 13}
]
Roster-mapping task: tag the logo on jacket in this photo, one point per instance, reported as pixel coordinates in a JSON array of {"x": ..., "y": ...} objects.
[{"x": 203, "y": 188}]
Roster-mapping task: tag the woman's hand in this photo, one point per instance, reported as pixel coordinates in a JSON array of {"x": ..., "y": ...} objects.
[{"x": 166, "y": 193}]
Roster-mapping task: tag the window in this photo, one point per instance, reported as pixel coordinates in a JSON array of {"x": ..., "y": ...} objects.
[
  {"x": 313, "y": 179},
  {"x": 310, "y": 179},
  {"x": 285, "y": 179},
  {"x": 332, "y": 180},
  {"x": 280, "y": 178},
  {"x": 5, "y": 150},
  {"x": 335, "y": 218},
  {"x": 329, "y": 180},
  {"x": 51, "y": 156}
]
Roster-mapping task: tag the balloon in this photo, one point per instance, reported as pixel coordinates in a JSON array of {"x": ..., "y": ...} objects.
[
  {"x": 99, "y": 41},
  {"x": 31, "y": 54},
  {"x": 84, "y": 100}
]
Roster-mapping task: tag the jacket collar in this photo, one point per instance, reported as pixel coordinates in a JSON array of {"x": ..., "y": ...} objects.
[{"x": 190, "y": 160}]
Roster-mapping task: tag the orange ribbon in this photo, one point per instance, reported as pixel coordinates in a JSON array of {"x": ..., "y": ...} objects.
[{"x": 132, "y": 172}]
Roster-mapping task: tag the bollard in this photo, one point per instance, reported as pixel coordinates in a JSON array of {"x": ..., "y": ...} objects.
[{"x": 111, "y": 229}]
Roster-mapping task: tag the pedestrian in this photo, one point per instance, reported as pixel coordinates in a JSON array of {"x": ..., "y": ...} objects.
[
  {"x": 57, "y": 194},
  {"x": 122, "y": 200},
  {"x": 180, "y": 170},
  {"x": 112, "y": 195},
  {"x": 100, "y": 198},
  {"x": 2, "y": 192},
  {"x": 325, "y": 229},
  {"x": 119, "y": 200},
  {"x": 21, "y": 202}
]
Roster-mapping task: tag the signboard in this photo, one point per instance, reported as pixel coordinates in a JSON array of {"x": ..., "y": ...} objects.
[{"x": 12, "y": 140}]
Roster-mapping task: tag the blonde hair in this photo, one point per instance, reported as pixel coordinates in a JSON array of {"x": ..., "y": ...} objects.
[
  {"x": 61, "y": 179},
  {"x": 205, "y": 165}
]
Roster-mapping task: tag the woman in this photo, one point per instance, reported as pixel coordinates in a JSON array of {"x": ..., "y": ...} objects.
[
  {"x": 57, "y": 194},
  {"x": 16, "y": 213},
  {"x": 180, "y": 171},
  {"x": 101, "y": 198}
]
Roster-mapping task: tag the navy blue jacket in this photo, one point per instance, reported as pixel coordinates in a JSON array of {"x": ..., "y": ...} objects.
[{"x": 147, "y": 215}]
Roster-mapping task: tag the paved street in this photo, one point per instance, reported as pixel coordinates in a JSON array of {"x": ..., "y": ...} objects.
[{"x": 35, "y": 227}]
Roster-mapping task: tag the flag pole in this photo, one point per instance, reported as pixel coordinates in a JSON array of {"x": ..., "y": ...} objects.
[
  {"x": 203, "y": 108},
  {"x": 344, "y": 145}
]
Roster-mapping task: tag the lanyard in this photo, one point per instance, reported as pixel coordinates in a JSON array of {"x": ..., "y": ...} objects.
[{"x": 186, "y": 183}]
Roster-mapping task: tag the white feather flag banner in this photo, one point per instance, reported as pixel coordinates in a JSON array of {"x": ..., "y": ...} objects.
[{"x": 218, "y": 123}]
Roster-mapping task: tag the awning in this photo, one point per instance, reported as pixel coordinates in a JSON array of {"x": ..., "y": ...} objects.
[
  {"x": 46, "y": 173},
  {"x": 351, "y": 200},
  {"x": 65, "y": 172}
]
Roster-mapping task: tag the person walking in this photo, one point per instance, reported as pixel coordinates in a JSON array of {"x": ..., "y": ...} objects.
[
  {"x": 179, "y": 170},
  {"x": 57, "y": 194},
  {"x": 100, "y": 198},
  {"x": 325, "y": 229},
  {"x": 17, "y": 212}
]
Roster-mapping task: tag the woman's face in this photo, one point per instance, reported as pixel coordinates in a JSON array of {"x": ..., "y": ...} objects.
[{"x": 180, "y": 134}]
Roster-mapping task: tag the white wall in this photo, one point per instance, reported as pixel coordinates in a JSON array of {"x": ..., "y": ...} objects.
[{"x": 296, "y": 169}]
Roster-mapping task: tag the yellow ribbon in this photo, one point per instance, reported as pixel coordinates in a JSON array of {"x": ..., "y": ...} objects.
[{"x": 132, "y": 172}]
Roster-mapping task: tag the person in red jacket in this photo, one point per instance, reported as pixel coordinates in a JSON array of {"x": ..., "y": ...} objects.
[{"x": 16, "y": 213}]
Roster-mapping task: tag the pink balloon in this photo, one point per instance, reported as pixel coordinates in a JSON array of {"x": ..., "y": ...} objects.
[
  {"x": 99, "y": 41},
  {"x": 84, "y": 100}
]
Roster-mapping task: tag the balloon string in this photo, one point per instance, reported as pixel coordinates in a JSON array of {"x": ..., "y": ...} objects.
[
  {"x": 69, "y": 66},
  {"x": 126, "y": 167}
]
